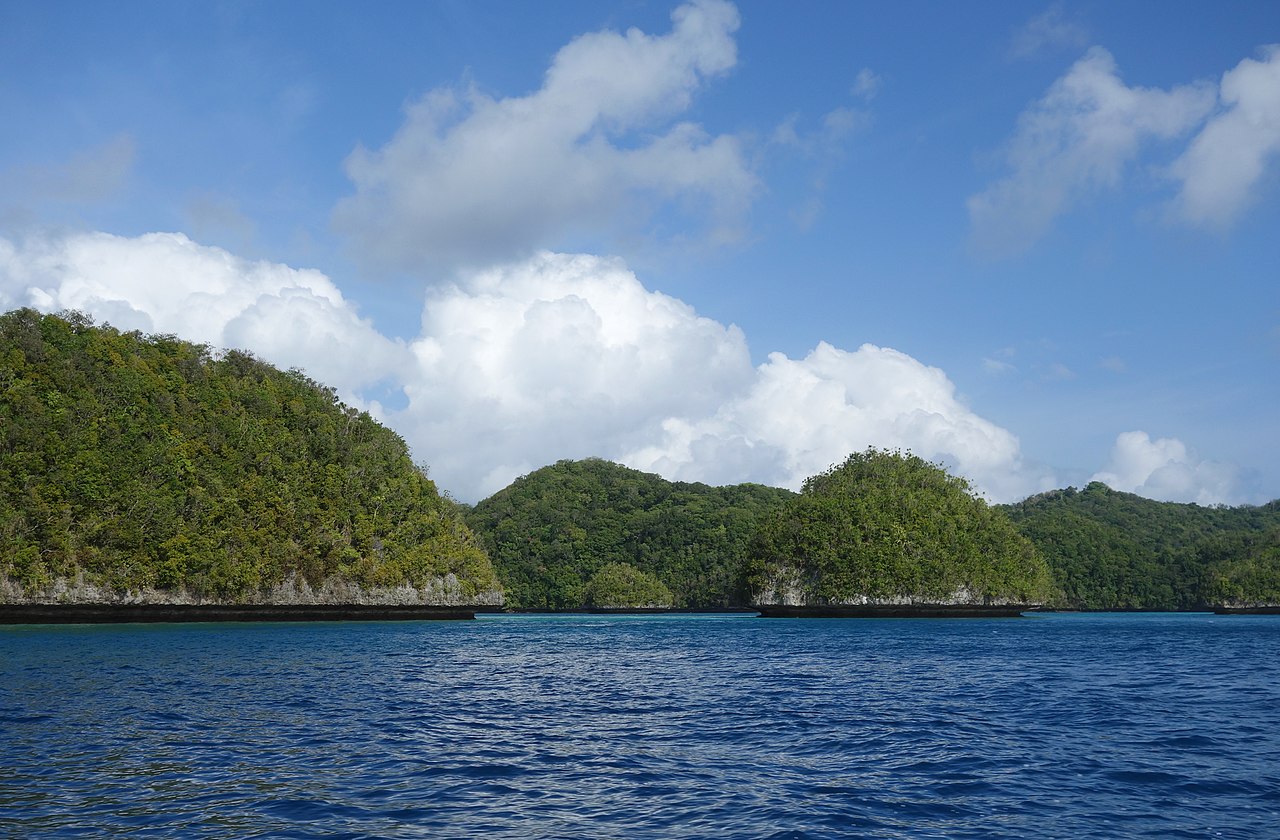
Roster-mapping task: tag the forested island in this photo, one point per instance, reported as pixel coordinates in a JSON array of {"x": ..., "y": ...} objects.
[
  {"x": 1117, "y": 551},
  {"x": 890, "y": 533},
  {"x": 594, "y": 534},
  {"x": 140, "y": 471},
  {"x": 148, "y": 470}
]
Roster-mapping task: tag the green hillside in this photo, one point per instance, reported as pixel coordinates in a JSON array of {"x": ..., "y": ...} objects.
[
  {"x": 1112, "y": 550},
  {"x": 132, "y": 463},
  {"x": 886, "y": 528},
  {"x": 553, "y": 532}
]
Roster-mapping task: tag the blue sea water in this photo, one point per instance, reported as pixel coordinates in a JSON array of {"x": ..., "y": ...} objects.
[{"x": 645, "y": 726}]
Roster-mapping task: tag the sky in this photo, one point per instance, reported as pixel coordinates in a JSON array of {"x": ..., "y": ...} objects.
[{"x": 1038, "y": 244}]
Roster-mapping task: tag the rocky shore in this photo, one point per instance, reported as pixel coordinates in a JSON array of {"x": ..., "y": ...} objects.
[
  {"x": 911, "y": 610},
  {"x": 157, "y": 613},
  {"x": 78, "y": 602}
]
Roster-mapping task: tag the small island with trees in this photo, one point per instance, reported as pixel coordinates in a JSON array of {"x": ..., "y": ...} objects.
[
  {"x": 890, "y": 534},
  {"x": 147, "y": 478}
]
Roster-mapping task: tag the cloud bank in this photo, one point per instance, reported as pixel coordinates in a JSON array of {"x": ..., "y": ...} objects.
[
  {"x": 1229, "y": 156},
  {"x": 1074, "y": 142},
  {"x": 1165, "y": 469},
  {"x": 164, "y": 282},
  {"x": 469, "y": 179},
  {"x": 555, "y": 356},
  {"x": 1090, "y": 129}
]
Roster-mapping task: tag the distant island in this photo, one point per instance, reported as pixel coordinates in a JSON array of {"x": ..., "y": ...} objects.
[
  {"x": 591, "y": 533},
  {"x": 147, "y": 472},
  {"x": 149, "y": 478},
  {"x": 1117, "y": 551},
  {"x": 887, "y": 533}
]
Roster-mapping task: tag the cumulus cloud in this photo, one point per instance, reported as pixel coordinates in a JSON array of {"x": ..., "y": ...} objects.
[
  {"x": 555, "y": 356},
  {"x": 800, "y": 416},
  {"x": 164, "y": 282},
  {"x": 558, "y": 356},
  {"x": 1225, "y": 161},
  {"x": 1076, "y": 141},
  {"x": 1165, "y": 469},
  {"x": 472, "y": 179}
]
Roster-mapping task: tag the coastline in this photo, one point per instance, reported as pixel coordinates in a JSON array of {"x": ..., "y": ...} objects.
[
  {"x": 893, "y": 610},
  {"x": 82, "y": 613},
  {"x": 1262, "y": 609}
]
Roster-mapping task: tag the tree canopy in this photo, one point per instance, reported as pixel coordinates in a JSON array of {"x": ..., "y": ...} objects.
[
  {"x": 884, "y": 527},
  {"x": 144, "y": 462},
  {"x": 1111, "y": 550},
  {"x": 550, "y": 532},
  {"x": 621, "y": 585}
]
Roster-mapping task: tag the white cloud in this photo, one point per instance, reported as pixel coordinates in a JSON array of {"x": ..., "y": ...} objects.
[
  {"x": 1051, "y": 29},
  {"x": 1225, "y": 161},
  {"x": 164, "y": 282},
  {"x": 1074, "y": 142},
  {"x": 800, "y": 416},
  {"x": 1165, "y": 469},
  {"x": 470, "y": 179},
  {"x": 556, "y": 356},
  {"x": 559, "y": 356},
  {"x": 867, "y": 84}
]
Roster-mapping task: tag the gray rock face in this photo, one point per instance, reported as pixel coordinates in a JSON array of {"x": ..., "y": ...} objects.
[
  {"x": 789, "y": 589},
  {"x": 440, "y": 592}
]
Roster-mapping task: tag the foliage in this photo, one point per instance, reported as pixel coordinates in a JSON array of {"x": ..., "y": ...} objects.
[
  {"x": 884, "y": 525},
  {"x": 551, "y": 531},
  {"x": 1243, "y": 569},
  {"x": 1110, "y": 550},
  {"x": 135, "y": 461},
  {"x": 618, "y": 585}
]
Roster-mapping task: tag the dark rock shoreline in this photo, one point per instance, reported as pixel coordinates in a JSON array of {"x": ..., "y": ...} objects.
[
  {"x": 892, "y": 610},
  {"x": 154, "y": 613},
  {"x": 1261, "y": 609}
]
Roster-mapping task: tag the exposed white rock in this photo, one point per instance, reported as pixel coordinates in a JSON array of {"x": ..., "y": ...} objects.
[{"x": 444, "y": 591}]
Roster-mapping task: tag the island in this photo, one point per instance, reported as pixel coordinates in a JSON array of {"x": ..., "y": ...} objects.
[
  {"x": 591, "y": 534},
  {"x": 149, "y": 478},
  {"x": 1117, "y": 551},
  {"x": 890, "y": 534}
]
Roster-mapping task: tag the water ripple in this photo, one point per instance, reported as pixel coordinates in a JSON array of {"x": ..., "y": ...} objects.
[{"x": 655, "y": 726}]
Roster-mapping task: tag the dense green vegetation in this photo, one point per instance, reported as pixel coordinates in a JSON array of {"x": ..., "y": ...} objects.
[
  {"x": 885, "y": 526},
  {"x": 137, "y": 462},
  {"x": 131, "y": 462},
  {"x": 620, "y": 585},
  {"x": 1111, "y": 550},
  {"x": 550, "y": 532}
]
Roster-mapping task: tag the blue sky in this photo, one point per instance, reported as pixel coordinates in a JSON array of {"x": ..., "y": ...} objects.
[{"x": 1035, "y": 242}]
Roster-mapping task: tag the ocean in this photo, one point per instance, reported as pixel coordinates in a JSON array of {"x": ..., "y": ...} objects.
[{"x": 655, "y": 726}]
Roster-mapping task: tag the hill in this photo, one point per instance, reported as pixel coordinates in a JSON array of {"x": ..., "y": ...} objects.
[
  {"x": 147, "y": 468},
  {"x": 886, "y": 529},
  {"x": 1110, "y": 550},
  {"x": 553, "y": 533}
]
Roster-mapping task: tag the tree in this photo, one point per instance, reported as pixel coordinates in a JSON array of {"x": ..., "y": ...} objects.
[
  {"x": 621, "y": 585},
  {"x": 884, "y": 526},
  {"x": 133, "y": 462}
]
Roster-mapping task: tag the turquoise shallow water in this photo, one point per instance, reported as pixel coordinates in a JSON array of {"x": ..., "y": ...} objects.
[{"x": 655, "y": 726}]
